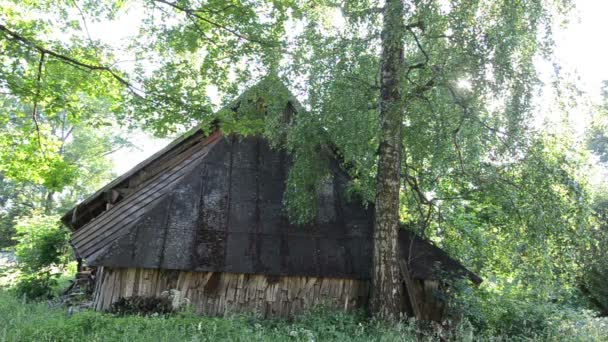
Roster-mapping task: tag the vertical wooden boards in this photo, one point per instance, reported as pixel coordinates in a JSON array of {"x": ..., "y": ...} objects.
[{"x": 218, "y": 294}]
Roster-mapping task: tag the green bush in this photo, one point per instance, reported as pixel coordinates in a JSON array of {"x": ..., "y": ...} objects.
[
  {"x": 595, "y": 285},
  {"x": 38, "y": 285},
  {"x": 42, "y": 252},
  {"x": 41, "y": 242},
  {"x": 515, "y": 314},
  {"x": 594, "y": 281},
  {"x": 7, "y": 231}
]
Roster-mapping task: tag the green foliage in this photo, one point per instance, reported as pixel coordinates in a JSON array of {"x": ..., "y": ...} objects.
[
  {"x": 259, "y": 111},
  {"x": 12, "y": 205},
  {"x": 42, "y": 243},
  {"x": 531, "y": 219},
  {"x": 193, "y": 46},
  {"x": 55, "y": 98},
  {"x": 509, "y": 202},
  {"x": 37, "y": 285},
  {"x": 594, "y": 280},
  {"x": 597, "y": 137},
  {"x": 512, "y": 313},
  {"x": 42, "y": 250},
  {"x": 52, "y": 171}
]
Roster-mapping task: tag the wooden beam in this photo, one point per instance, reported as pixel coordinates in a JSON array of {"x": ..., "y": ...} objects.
[
  {"x": 409, "y": 286},
  {"x": 114, "y": 197},
  {"x": 74, "y": 216}
]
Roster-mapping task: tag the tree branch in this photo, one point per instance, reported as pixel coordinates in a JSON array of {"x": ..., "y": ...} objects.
[
  {"x": 419, "y": 65},
  {"x": 84, "y": 21},
  {"x": 195, "y": 13},
  {"x": 112, "y": 151},
  {"x": 417, "y": 24},
  {"x": 12, "y": 35},
  {"x": 500, "y": 135},
  {"x": 457, "y": 145},
  {"x": 36, "y": 97}
]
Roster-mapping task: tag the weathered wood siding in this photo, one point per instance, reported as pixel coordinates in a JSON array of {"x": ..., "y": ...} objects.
[
  {"x": 213, "y": 293},
  {"x": 431, "y": 304}
]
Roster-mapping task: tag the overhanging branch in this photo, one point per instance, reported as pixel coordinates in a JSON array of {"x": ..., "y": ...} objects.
[
  {"x": 12, "y": 35},
  {"x": 195, "y": 13}
]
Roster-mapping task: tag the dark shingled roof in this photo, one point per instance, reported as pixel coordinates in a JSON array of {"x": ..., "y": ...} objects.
[{"x": 215, "y": 203}]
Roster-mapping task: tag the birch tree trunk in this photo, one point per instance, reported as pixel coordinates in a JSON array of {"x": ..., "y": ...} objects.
[{"x": 387, "y": 293}]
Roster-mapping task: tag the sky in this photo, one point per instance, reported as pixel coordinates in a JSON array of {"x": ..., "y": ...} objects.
[
  {"x": 582, "y": 45},
  {"x": 580, "y": 49}
]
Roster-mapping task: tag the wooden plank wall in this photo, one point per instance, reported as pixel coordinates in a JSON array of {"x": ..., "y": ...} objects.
[
  {"x": 212, "y": 293},
  {"x": 430, "y": 305}
]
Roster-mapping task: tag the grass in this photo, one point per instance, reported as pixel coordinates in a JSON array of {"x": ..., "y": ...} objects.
[
  {"x": 37, "y": 322},
  {"x": 20, "y": 321}
]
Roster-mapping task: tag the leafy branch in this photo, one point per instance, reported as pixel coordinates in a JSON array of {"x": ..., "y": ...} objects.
[
  {"x": 195, "y": 13},
  {"x": 14, "y": 36}
]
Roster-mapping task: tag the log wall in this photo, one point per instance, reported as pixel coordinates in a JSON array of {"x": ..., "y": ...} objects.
[{"x": 212, "y": 293}]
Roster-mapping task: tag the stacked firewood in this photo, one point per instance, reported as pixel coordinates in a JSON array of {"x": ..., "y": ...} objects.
[{"x": 77, "y": 296}]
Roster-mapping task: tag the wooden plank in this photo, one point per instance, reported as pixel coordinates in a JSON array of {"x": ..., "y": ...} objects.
[
  {"x": 109, "y": 289},
  {"x": 124, "y": 281},
  {"x": 409, "y": 285},
  {"x": 105, "y": 234},
  {"x": 97, "y": 288},
  {"x": 136, "y": 281},
  {"x": 97, "y": 284},
  {"x": 116, "y": 288}
]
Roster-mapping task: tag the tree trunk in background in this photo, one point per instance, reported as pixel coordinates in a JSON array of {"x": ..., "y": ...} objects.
[
  {"x": 48, "y": 202},
  {"x": 387, "y": 293}
]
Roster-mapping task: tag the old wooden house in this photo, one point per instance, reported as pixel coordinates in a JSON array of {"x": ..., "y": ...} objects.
[{"x": 205, "y": 216}]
